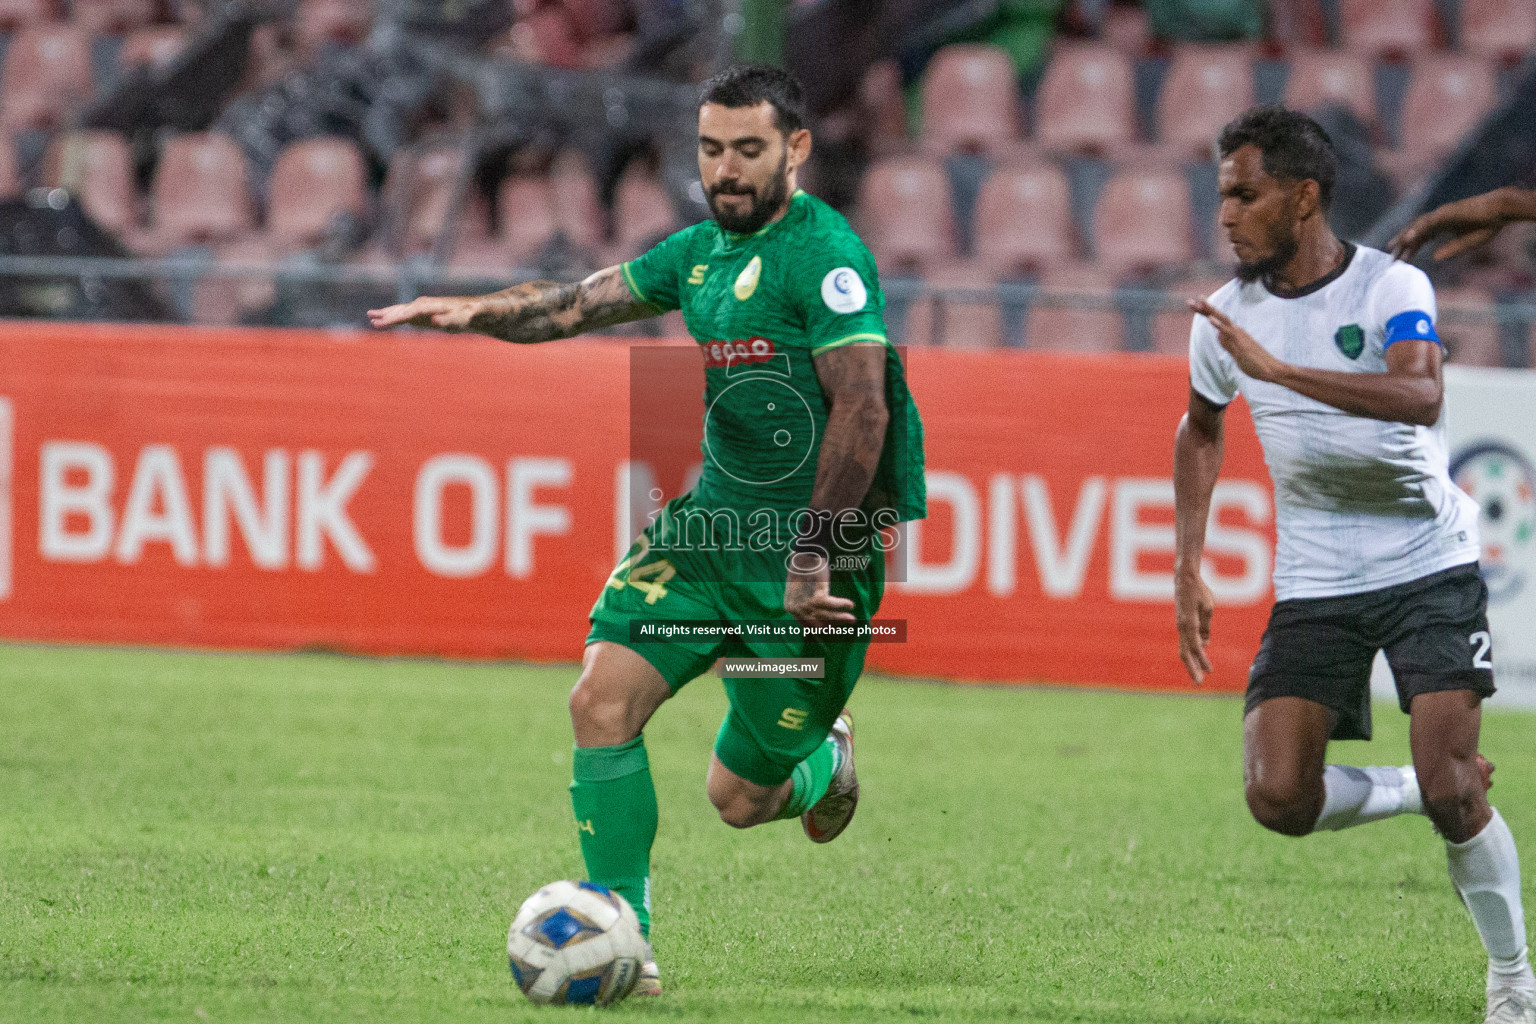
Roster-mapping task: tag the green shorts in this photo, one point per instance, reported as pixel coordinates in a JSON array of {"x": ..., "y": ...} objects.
[{"x": 773, "y": 724}]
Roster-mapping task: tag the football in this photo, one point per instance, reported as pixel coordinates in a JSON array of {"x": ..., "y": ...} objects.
[{"x": 576, "y": 943}]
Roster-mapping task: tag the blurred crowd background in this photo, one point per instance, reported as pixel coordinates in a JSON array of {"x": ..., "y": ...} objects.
[{"x": 1034, "y": 173}]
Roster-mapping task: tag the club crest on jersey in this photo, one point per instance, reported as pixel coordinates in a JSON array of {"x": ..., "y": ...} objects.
[
  {"x": 746, "y": 281},
  {"x": 719, "y": 354},
  {"x": 1350, "y": 339}
]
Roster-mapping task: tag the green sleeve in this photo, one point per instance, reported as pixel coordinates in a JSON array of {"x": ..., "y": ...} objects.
[
  {"x": 656, "y": 276},
  {"x": 838, "y": 291}
]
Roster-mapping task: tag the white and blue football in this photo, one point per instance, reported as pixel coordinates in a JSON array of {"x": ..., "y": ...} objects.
[{"x": 576, "y": 943}]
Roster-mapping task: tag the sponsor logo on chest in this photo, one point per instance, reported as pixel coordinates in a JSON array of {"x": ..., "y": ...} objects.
[{"x": 719, "y": 354}]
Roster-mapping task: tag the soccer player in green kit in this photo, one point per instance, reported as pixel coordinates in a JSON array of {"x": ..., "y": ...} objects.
[{"x": 812, "y": 451}]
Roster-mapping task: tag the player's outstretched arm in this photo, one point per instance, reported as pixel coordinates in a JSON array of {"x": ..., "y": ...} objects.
[
  {"x": 1411, "y": 391},
  {"x": 853, "y": 379},
  {"x": 525, "y": 313},
  {"x": 1470, "y": 222},
  {"x": 1198, "y": 448}
]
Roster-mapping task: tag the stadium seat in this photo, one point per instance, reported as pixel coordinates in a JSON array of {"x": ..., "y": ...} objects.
[
  {"x": 219, "y": 300},
  {"x": 1447, "y": 96},
  {"x": 313, "y": 182},
  {"x": 1127, "y": 29},
  {"x": 547, "y": 36},
  {"x": 1086, "y": 102},
  {"x": 15, "y": 14},
  {"x": 1079, "y": 316},
  {"x": 883, "y": 108},
  {"x": 154, "y": 45},
  {"x": 1466, "y": 323},
  {"x": 1388, "y": 28},
  {"x": 905, "y": 211},
  {"x": 1298, "y": 23},
  {"x": 1170, "y": 327},
  {"x": 970, "y": 101},
  {"x": 642, "y": 214},
  {"x": 1024, "y": 220},
  {"x": 1143, "y": 221},
  {"x": 1502, "y": 28},
  {"x": 10, "y": 177},
  {"x": 319, "y": 23},
  {"x": 113, "y": 17},
  {"x": 951, "y": 321},
  {"x": 201, "y": 192},
  {"x": 47, "y": 70},
  {"x": 97, "y": 168},
  {"x": 426, "y": 184},
  {"x": 526, "y": 215},
  {"x": 1321, "y": 78},
  {"x": 1206, "y": 87},
  {"x": 577, "y": 208},
  {"x": 595, "y": 19}
]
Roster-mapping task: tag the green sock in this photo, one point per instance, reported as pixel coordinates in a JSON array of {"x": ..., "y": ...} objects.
[
  {"x": 811, "y": 778},
  {"x": 615, "y": 804}
]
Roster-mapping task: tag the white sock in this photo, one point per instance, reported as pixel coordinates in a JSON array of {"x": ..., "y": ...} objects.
[
  {"x": 1354, "y": 796},
  {"x": 1486, "y": 872}
]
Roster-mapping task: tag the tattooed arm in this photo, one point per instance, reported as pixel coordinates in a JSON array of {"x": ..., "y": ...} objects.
[
  {"x": 853, "y": 379},
  {"x": 526, "y": 313}
]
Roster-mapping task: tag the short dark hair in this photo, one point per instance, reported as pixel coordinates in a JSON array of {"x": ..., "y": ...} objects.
[
  {"x": 747, "y": 85},
  {"x": 1294, "y": 145}
]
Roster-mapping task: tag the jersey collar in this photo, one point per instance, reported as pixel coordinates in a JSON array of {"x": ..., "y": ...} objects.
[{"x": 1322, "y": 282}]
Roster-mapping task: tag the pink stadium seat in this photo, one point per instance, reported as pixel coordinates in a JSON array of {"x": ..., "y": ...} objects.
[
  {"x": 1128, "y": 30},
  {"x": 339, "y": 22},
  {"x": 526, "y": 214},
  {"x": 1505, "y": 28},
  {"x": 1086, "y": 101},
  {"x": 547, "y": 36},
  {"x": 1447, "y": 96},
  {"x": 595, "y": 19},
  {"x": 1082, "y": 319},
  {"x": 1024, "y": 220},
  {"x": 97, "y": 167},
  {"x": 642, "y": 213},
  {"x": 970, "y": 101},
  {"x": 1467, "y": 326},
  {"x": 1206, "y": 87},
  {"x": 426, "y": 184},
  {"x": 883, "y": 108},
  {"x": 224, "y": 300},
  {"x": 1298, "y": 23},
  {"x": 112, "y": 16},
  {"x": 577, "y": 208},
  {"x": 904, "y": 207},
  {"x": 156, "y": 45},
  {"x": 312, "y": 182},
  {"x": 1320, "y": 78},
  {"x": 47, "y": 70},
  {"x": 17, "y": 13},
  {"x": 949, "y": 320},
  {"x": 1170, "y": 327},
  {"x": 201, "y": 192},
  {"x": 1142, "y": 221},
  {"x": 1389, "y": 27}
]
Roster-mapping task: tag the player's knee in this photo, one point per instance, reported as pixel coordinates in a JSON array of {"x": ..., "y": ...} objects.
[
  {"x": 1284, "y": 806},
  {"x": 736, "y": 809},
  {"x": 1454, "y": 798},
  {"x": 598, "y": 714}
]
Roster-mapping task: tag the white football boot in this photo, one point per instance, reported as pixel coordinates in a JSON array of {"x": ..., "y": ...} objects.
[
  {"x": 1510, "y": 1005},
  {"x": 831, "y": 814},
  {"x": 649, "y": 982}
]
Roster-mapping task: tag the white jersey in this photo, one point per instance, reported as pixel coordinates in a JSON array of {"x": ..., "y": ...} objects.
[{"x": 1360, "y": 504}]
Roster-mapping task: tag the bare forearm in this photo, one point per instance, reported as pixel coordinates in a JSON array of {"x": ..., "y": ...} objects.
[
  {"x": 546, "y": 311},
  {"x": 850, "y": 454},
  {"x": 1197, "y": 456},
  {"x": 1395, "y": 398},
  {"x": 1516, "y": 204}
]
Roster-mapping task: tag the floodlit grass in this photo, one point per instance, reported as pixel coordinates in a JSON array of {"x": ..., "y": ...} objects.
[{"x": 214, "y": 837}]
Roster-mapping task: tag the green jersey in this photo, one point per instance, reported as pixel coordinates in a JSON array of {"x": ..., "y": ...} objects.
[{"x": 761, "y": 306}]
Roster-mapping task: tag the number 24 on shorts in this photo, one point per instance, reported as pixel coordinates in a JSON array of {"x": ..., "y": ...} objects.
[{"x": 650, "y": 578}]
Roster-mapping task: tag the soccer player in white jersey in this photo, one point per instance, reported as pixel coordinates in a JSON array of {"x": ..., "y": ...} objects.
[{"x": 1334, "y": 347}]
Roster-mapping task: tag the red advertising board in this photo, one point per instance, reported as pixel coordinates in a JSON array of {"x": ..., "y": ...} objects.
[{"x": 405, "y": 494}]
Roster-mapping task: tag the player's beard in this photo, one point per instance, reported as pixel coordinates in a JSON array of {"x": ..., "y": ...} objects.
[
  {"x": 764, "y": 204},
  {"x": 1282, "y": 248}
]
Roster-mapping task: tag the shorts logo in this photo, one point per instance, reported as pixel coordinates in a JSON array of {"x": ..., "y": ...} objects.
[
  {"x": 697, "y": 277},
  {"x": 843, "y": 290},
  {"x": 746, "y": 282},
  {"x": 793, "y": 718},
  {"x": 1351, "y": 340},
  {"x": 718, "y": 354},
  {"x": 1503, "y": 483}
]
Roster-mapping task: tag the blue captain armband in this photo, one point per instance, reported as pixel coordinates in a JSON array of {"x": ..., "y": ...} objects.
[{"x": 1414, "y": 325}]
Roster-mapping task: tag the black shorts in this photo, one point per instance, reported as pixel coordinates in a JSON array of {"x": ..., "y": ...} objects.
[{"x": 1434, "y": 630}]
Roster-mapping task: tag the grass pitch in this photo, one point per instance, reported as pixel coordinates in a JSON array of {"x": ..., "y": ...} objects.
[{"x": 210, "y": 837}]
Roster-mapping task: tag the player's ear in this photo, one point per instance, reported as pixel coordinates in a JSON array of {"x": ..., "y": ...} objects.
[
  {"x": 1309, "y": 199},
  {"x": 799, "y": 143}
]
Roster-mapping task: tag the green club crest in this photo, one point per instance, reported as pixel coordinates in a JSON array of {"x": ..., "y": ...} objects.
[{"x": 1350, "y": 339}]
